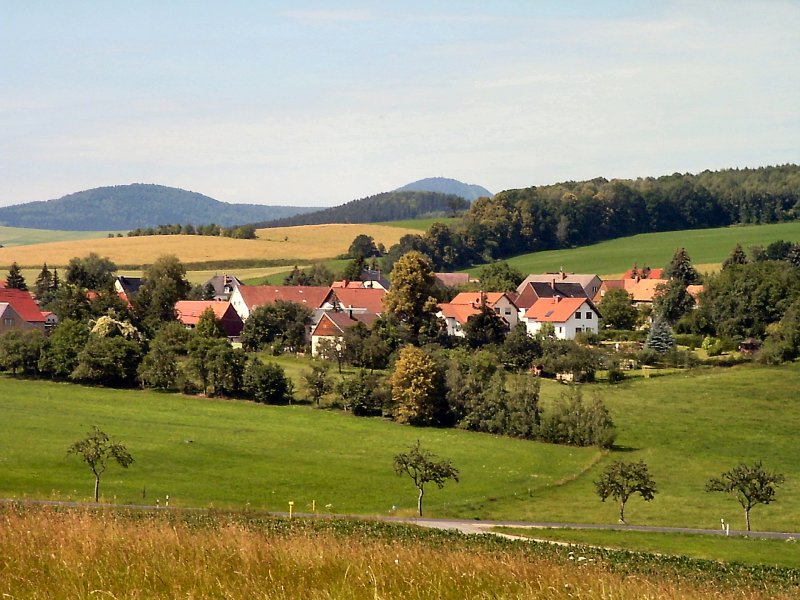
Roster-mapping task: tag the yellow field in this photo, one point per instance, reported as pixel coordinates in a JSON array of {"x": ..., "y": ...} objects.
[{"x": 304, "y": 243}]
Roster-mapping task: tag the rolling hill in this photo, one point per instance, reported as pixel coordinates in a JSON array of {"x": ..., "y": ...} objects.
[
  {"x": 136, "y": 205},
  {"x": 387, "y": 206},
  {"x": 443, "y": 185}
]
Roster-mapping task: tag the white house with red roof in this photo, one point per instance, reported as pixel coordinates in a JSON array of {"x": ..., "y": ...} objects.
[
  {"x": 465, "y": 305},
  {"x": 26, "y": 312},
  {"x": 568, "y": 316},
  {"x": 245, "y": 298}
]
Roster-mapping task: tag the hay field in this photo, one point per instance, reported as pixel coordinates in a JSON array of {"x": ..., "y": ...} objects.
[{"x": 303, "y": 243}]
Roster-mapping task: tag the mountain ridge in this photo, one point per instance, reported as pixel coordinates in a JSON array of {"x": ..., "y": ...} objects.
[{"x": 445, "y": 185}]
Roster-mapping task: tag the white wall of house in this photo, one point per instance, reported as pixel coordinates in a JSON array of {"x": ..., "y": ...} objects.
[
  {"x": 506, "y": 309},
  {"x": 453, "y": 326},
  {"x": 239, "y": 305},
  {"x": 582, "y": 320}
]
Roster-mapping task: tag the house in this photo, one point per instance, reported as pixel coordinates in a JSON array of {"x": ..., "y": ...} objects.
[
  {"x": 333, "y": 325},
  {"x": 223, "y": 286},
  {"x": 189, "y": 312},
  {"x": 24, "y": 313},
  {"x": 247, "y": 297},
  {"x": 568, "y": 316},
  {"x": 452, "y": 280},
  {"x": 127, "y": 285},
  {"x": 50, "y": 320},
  {"x": 641, "y": 291},
  {"x": 500, "y": 302},
  {"x": 534, "y": 290},
  {"x": 455, "y": 317},
  {"x": 370, "y": 278},
  {"x": 643, "y": 273},
  {"x": 589, "y": 282},
  {"x": 10, "y": 320},
  {"x": 355, "y": 300}
]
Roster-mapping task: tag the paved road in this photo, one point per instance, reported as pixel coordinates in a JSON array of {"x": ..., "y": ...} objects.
[{"x": 463, "y": 525}]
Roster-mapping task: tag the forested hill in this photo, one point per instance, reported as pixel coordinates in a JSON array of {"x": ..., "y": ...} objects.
[
  {"x": 444, "y": 185},
  {"x": 578, "y": 213},
  {"x": 388, "y": 206},
  {"x": 136, "y": 205}
]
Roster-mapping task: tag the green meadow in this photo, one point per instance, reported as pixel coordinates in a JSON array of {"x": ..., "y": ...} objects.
[
  {"x": 21, "y": 236},
  {"x": 706, "y": 247},
  {"x": 227, "y": 453}
]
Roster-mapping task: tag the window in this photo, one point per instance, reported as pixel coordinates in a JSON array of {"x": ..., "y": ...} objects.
[
  {"x": 497, "y": 309},
  {"x": 8, "y": 321},
  {"x": 578, "y": 315},
  {"x": 578, "y": 330},
  {"x": 589, "y": 315}
]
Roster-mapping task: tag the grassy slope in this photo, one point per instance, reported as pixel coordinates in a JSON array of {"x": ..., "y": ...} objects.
[
  {"x": 686, "y": 427},
  {"x": 707, "y": 249},
  {"x": 21, "y": 236}
]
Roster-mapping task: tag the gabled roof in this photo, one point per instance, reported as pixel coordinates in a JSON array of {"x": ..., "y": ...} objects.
[
  {"x": 23, "y": 304},
  {"x": 452, "y": 279},
  {"x": 370, "y": 299},
  {"x": 640, "y": 290},
  {"x": 129, "y": 285},
  {"x": 474, "y": 298},
  {"x": 584, "y": 279},
  {"x": 460, "y": 312},
  {"x": 334, "y": 323},
  {"x": 556, "y": 310},
  {"x": 644, "y": 273},
  {"x": 219, "y": 282},
  {"x": 307, "y": 295},
  {"x": 189, "y": 311}
]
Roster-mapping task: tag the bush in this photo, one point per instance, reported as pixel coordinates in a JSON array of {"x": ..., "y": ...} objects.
[
  {"x": 573, "y": 421},
  {"x": 690, "y": 340},
  {"x": 267, "y": 383}
]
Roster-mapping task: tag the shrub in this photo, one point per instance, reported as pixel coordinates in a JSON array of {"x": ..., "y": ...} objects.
[
  {"x": 267, "y": 383},
  {"x": 575, "y": 422}
]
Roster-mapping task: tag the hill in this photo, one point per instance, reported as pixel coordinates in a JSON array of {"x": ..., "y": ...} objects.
[
  {"x": 126, "y": 207},
  {"x": 388, "y": 206},
  {"x": 443, "y": 185}
]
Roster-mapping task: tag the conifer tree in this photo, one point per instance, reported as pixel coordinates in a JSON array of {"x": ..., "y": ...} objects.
[
  {"x": 680, "y": 267},
  {"x": 737, "y": 257},
  {"x": 15, "y": 279},
  {"x": 660, "y": 338}
]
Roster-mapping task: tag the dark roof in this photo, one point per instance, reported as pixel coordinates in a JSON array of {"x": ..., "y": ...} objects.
[
  {"x": 565, "y": 290},
  {"x": 130, "y": 285}
]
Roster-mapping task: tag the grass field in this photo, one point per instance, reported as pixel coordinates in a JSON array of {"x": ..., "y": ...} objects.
[
  {"x": 421, "y": 225},
  {"x": 307, "y": 243},
  {"x": 745, "y": 550},
  {"x": 687, "y": 428},
  {"x": 706, "y": 247},
  {"x": 21, "y": 236}
]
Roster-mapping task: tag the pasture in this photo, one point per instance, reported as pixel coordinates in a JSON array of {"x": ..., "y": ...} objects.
[
  {"x": 706, "y": 247},
  {"x": 286, "y": 244},
  {"x": 686, "y": 427}
]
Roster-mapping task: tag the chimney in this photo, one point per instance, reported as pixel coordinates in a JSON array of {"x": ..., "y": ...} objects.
[
  {"x": 563, "y": 275},
  {"x": 553, "y": 284}
]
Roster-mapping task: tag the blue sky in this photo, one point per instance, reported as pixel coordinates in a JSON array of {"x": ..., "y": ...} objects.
[{"x": 318, "y": 103}]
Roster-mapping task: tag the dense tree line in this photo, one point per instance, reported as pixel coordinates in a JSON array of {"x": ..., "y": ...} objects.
[
  {"x": 578, "y": 213},
  {"x": 243, "y": 232},
  {"x": 388, "y": 206}
]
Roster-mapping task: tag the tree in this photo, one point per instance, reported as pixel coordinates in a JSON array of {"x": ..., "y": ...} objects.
[
  {"x": 318, "y": 382},
  {"x": 209, "y": 326},
  {"x": 411, "y": 297},
  {"x": 14, "y": 279},
  {"x": 751, "y": 485},
  {"x": 660, "y": 337},
  {"x": 159, "y": 368},
  {"x": 96, "y": 450},
  {"x": 487, "y": 327},
  {"x": 618, "y": 309},
  {"x": 164, "y": 284},
  {"x": 620, "y": 480},
  {"x": 267, "y": 382},
  {"x": 519, "y": 349},
  {"x": 422, "y": 466},
  {"x": 353, "y": 269},
  {"x": 737, "y": 257},
  {"x": 574, "y": 421},
  {"x": 91, "y": 272},
  {"x": 417, "y": 388},
  {"x": 21, "y": 350},
  {"x": 280, "y": 323},
  {"x": 65, "y": 343},
  {"x": 500, "y": 277},
  {"x": 680, "y": 268},
  {"x": 111, "y": 361},
  {"x": 363, "y": 246},
  {"x": 672, "y": 301},
  {"x": 44, "y": 286}
]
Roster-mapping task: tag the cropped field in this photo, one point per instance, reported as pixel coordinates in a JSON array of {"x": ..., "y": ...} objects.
[
  {"x": 706, "y": 247},
  {"x": 421, "y": 225},
  {"x": 687, "y": 427},
  {"x": 58, "y": 553},
  {"x": 21, "y": 236},
  {"x": 302, "y": 244}
]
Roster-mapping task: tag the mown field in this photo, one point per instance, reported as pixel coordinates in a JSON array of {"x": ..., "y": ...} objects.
[
  {"x": 67, "y": 553},
  {"x": 706, "y": 247},
  {"x": 306, "y": 243},
  {"x": 687, "y": 427},
  {"x": 21, "y": 236}
]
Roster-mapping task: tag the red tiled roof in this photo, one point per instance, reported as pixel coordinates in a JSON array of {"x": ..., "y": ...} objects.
[
  {"x": 651, "y": 274},
  {"x": 460, "y": 312},
  {"x": 310, "y": 296},
  {"x": 335, "y": 323},
  {"x": 474, "y": 298},
  {"x": 368, "y": 298},
  {"x": 452, "y": 279},
  {"x": 23, "y": 304},
  {"x": 189, "y": 311},
  {"x": 555, "y": 310}
]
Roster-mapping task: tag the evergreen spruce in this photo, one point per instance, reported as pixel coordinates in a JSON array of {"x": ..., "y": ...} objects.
[
  {"x": 15, "y": 279},
  {"x": 660, "y": 338},
  {"x": 680, "y": 267},
  {"x": 737, "y": 257}
]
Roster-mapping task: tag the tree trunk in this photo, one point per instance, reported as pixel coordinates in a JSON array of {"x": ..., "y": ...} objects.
[
  {"x": 622, "y": 512},
  {"x": 419, "y": 501},
  {"x": 747, "y": 517},
  {"x": 97, "y": 488}
]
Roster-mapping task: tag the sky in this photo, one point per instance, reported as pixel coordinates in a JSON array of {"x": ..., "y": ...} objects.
[{"x": 318, "y": 103}]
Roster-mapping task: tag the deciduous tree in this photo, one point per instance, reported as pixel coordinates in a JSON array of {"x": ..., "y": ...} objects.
[
  {"x": 751, "y": 485},
  {"x": 417, "y": 388},
  {"x": 422, "y": 466},
  {"x": 621, "y": 480},
  {"x": 411, "y": 297},
  {"x": 97, "y": 450}
]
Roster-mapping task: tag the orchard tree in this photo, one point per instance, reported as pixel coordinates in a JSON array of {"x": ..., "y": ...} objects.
[
  {"x": 281, "y": 323},
  {"x": 500, "y": 277},
  {"x": 672, "y": 301},
  {"x": 422, "y": 466},
  {"x": 620, "y": 480},
  {"x": 208, "y": 325},
  {"x": 92, "y": 272},
  {"x": 318, "y": 382},
  {"x": 418, "y": 388},
  {"x": 751, "y": 485},
  {"x": 97, "y": 450},
  {"x": 618, "y": 309}
]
